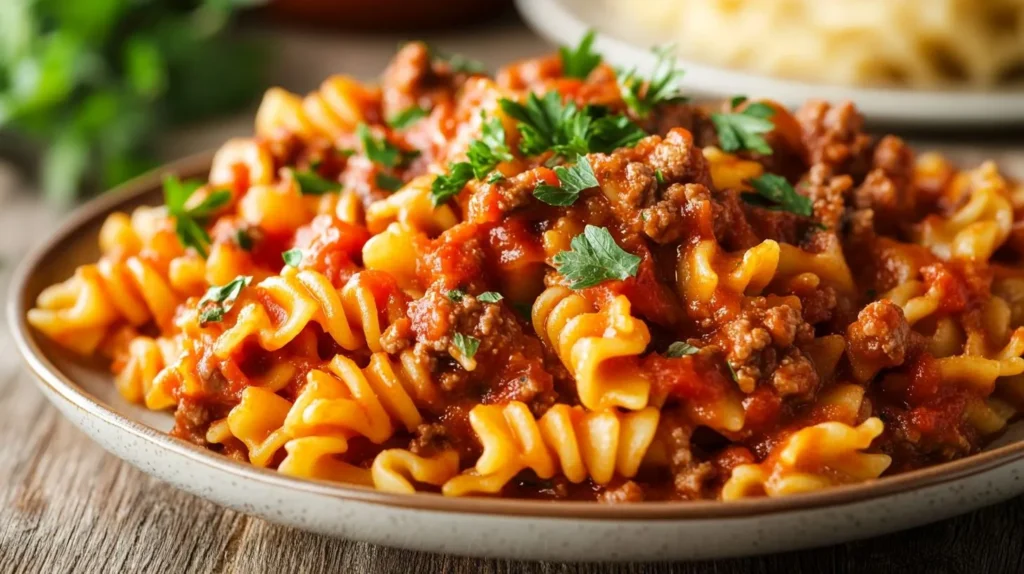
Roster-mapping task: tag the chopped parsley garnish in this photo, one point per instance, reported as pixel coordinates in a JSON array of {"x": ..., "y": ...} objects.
[
  {"x": 448, "y": 185},
  {"x": 495, "y": 177},
  {"x": 455, "y": 295},
  {"x": 407, "y": 117},
  {"x": 487, "y": 152},
  {"x": 312, "y": 183},
  {"x": 379, "y": 151},
  {"x": 489, "y": 297},
  {"x": 466, "y": 344},
  {"x": 659, "y": 176},
  {"x": 189, "y": 221},
  {"x": 387, "y": 182},
  {"x": 775, "y": 193},
  {"x": 732, "y": 372},
  {"x": 292, "y": 257},
  {"x": 484, "y": 154},
  {"x": 736, "y": 101},
  {"x": 680, "y": 349},
  {"x": 743, "y": 130},
  {"x": 243, "y": 239},
  {"x": 595, "y": 257},
  {"x": 662, "y": 88},
  {"x": 573, "y": 179},
  {"x": 545, "y": 123},
  {"x": 218, "y": 300},
  {"x": 460, "y": 64},
  {"x": 580, "y": 61}
]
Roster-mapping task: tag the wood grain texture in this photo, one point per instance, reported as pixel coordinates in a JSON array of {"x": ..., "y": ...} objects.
[{"x": 67, "y": 506}]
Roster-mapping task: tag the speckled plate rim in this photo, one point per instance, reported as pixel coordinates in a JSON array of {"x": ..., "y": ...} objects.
[{"x": 65, "y": 389}]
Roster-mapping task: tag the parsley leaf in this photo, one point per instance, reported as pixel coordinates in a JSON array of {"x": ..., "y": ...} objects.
[
  {"x": 545, "y": 123},
  {"x": 489, "y": 297},
  {"x": 243, "y": 239},
  {"x": 460, "y": 64},
  {"x": 455, "y": 295},
  {"x": 573, "y": 179},
  {"x": 447, "y": 186},
  {"x": 484, "y": 154},
  {"x": 387, "y": 181},
  {"x": 188, "y": 221},
  {"x": 495, "y": 177},
  {"x": 218, "y": 300},
  {"x": 743, "y": 130},
  {"x": 292, "y": 257},
  {"x": 775, "y": 193},
  {"x": 736, "y": 101},
  {"x": 407, "y": 117},
  {"x": 487, "y": 152},
  {"x": 579, "y": 62},
  {"x": 312, "y": 183},
  {"x": 466, "y": 344},
  {"x": 680, "y": 349},
  {"x": 539, "y": 120},
  {"x": 662, "y": 88},
  {"x": 595, "y": 257},
  {"x": 379, "y": 151},
  {"x": 609, "y": 133},
  {"x": 732, "y": 372}
]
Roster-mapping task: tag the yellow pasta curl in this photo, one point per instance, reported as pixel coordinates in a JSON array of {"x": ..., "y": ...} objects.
[
  {"x": 349, "y": 316},
  {"x": 812, "y": 458},
  {"x": 349, "y": 401},
  {"x": 704, "y": 267},
  {"x": 394, "y": 469},
  {"x": 586, "y": 340},
  {"x": 977, "y": 228},
  {"x": 331, "y": 111},
  {"x": 577, "y": 443}
]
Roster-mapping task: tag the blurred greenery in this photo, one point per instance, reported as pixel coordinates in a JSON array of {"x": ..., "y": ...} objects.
[{"x": 90, "y": 83}]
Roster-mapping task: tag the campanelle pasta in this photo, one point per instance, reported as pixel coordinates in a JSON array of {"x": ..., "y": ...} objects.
[{"x": 563, "y": 283}]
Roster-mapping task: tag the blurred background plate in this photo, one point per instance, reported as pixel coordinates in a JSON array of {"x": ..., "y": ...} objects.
[{"x": 565, "y": 22}]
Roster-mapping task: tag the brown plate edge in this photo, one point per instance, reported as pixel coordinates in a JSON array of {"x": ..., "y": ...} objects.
[{"x": 47, "y": 374}]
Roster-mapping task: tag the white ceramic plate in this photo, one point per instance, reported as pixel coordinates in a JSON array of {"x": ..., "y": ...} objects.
[
  {"x": 565, "y": 22},
  {"x": 84, "y": 392}
]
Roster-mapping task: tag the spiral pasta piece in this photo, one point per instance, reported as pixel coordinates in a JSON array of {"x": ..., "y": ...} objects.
[
  {"x": 587, "y": 341},
  {"x": 329, "y": 112},
  {"x": 705, "y": 268},
  {"x": 348, "y": 401},
  {"x": 577, "y": 443},
  {"x": 147, "y": 357},
  {"x": 350, "y": 316},
  {"x": 394, "y": 469},
  {"x": 979, "y": 227},
  {"x": 812, "y": 458}
]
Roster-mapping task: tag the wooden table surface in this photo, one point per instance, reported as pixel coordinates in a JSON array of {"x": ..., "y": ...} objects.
[{"x": 68, "y": 506}]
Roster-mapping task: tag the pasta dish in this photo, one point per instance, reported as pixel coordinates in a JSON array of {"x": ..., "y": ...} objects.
[
  {"x": 918, "y": 43},
  {"x": 563, "y": 282}
]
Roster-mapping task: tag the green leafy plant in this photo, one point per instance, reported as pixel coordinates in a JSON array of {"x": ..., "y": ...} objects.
[{"x": 91, "y": 83}]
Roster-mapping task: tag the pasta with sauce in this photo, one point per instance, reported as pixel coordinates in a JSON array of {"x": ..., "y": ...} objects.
[{"x": 565, "y": 282}]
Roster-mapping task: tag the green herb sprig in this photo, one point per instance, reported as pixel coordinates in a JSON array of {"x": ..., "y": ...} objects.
[
  {"x": 578, "y": 62},
  {"x": 594, "y": 257},
  {"x": 744, "y": 130},
  {"x": 774, "y": 192},
  {"x": 189, "y": 222},
  {"x": 466, "y": 344},
  {"x": 642, "y": 96},
  {"x": 573, "y": 179},
  {"x": 218, "y": 300},
  {"x": 680, "y": 349}
]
